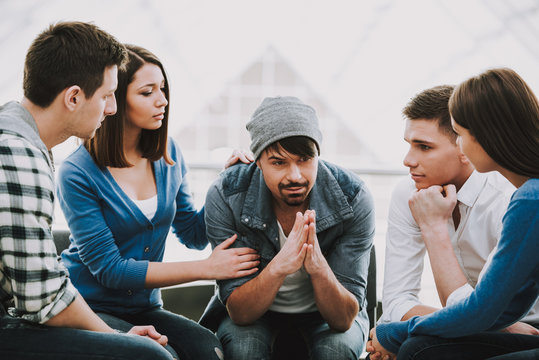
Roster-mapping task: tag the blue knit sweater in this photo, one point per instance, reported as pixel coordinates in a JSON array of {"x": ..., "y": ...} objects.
[
  {"x": 506, "y": 292},
  {"x": 111, "y": 239}
]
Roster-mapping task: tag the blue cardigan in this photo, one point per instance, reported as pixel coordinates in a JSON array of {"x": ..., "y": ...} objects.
[
  {"x": 507, "y": 291},
  {"x": 111, "y": 239}
]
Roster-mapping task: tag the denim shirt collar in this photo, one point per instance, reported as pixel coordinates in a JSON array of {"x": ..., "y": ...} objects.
[{"x": 326, "y": 198}]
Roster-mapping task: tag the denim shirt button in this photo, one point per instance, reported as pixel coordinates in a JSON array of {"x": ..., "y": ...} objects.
[
  {"x": 246, "y": 219},
  {"x": 147, "y": 249},
  {"x": 150, "y": 227},
  {"x": 129, "y": 292},
  {"x": 264, "y": 226}
]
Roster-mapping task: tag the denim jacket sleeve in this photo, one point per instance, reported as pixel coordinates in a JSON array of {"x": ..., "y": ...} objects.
[
  {"x": 349, "y": 258},
  {"x": 220, "y": 225}
]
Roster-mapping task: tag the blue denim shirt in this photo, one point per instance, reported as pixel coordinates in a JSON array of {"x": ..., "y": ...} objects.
[{"x": 239, "y": 202}]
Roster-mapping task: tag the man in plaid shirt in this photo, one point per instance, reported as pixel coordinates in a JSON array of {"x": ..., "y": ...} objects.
[{"x": 70, "y": 76}]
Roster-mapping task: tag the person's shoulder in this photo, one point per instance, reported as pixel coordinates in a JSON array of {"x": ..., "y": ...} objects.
[
  {"x": 398, "y": 204},
  {"x": 524, "y": 206},
  {"x": 79, "y": 161},
  {"x": 174, "y": 152},
  {"x": 77, "y": 157},
  {"x": 403, "y": 189},
  {"x": 13, "y": 111},
  {"x": 9, "y": 138},
  {"x": 19, "y": 157},
  {"x": 338, "y": 171},
  {"x": 499, "y": 184},
  {"x": 349, "y": 182},
  {"x": 528, "y": 191},
  {"x": 15, "y": 145},
  {"x": 236, "y": 178},
  {"x": 173, "y": 148}
]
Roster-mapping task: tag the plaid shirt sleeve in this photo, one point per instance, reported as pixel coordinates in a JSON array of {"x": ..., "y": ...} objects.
[{"x": 29, "y": 269}]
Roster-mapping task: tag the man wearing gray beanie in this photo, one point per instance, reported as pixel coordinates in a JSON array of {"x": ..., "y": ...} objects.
[{"x": 312, "y": 224}]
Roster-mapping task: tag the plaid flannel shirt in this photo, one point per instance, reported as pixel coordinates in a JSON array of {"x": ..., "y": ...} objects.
[{"x": 30, "y": 273}]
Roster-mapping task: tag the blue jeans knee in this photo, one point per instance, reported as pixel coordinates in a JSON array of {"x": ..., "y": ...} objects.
[{"x": 251, "y": 342}]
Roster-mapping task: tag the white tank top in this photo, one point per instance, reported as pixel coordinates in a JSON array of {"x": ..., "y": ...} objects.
[{"x": 147, "y": 206}]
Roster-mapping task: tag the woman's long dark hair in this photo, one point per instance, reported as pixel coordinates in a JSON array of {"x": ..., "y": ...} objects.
[
  {"x": 502, "y": 113},
  {"x": 106, "y": 147}
]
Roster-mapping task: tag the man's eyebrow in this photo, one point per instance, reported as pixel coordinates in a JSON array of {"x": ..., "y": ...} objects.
[
  {"x": 276, "y": 156},
  {"x": 419, "y": 141}
]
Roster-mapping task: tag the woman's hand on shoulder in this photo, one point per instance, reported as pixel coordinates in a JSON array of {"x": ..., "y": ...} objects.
[{"x": 239, "y": 155}]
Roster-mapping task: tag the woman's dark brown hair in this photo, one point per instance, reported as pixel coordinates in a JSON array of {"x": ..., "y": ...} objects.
[
  {"x": 502, "y": 113},
  {"x": 106, "y": 147}
]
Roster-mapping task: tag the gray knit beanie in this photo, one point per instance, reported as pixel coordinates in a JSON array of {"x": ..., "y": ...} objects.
[{"x": 282, "y": 117}]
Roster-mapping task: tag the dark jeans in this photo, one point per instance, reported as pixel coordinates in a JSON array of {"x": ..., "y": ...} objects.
[
  {"x": 188, "y": 339},
  {"x": 23, "y": 340},
  {"x": 519, "y": 355},
  {"x": 255, "y": 341},
  {"x": 483, "y": 345}
]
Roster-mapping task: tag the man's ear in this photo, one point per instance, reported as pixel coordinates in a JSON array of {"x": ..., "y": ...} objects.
[
  {"x": 258, "y": 163},
  {"x": 73, "y": 96},
  {"x": 463, "y": 158}
]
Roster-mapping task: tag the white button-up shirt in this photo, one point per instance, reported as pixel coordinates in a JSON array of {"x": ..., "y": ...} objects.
[{"x": 482, "y": 202}]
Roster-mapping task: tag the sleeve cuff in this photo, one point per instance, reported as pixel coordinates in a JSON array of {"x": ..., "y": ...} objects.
[
  {"x": 392, "y": 335},
  {"x": 459, "y": 294},
  {"x": 62, "y": 301},
  {"x": 396, "y": 312},
  {"x": 135, "y": 276}
]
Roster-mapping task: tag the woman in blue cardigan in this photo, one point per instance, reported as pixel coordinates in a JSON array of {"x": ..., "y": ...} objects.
[
  {"x": 121, "y": 192},
  {"x": 496, "y": 116}
]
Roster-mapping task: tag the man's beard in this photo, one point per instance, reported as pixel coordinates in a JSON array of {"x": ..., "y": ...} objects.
[{"x": 294, "y": 199}]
